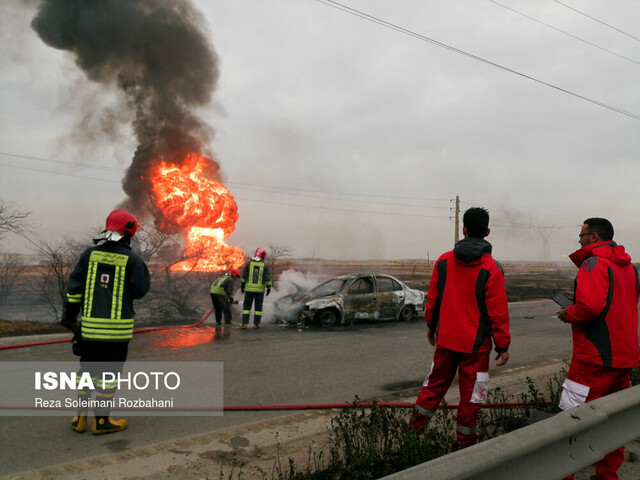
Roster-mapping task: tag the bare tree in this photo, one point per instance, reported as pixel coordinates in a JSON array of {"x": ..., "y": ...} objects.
[
  {"x": 151, "y": 242},
  {"x": 10, "y": 270},
  {"x": 173, "y": 292},
  {"x": 276, "y": 252},
  {"x": 12, "y": 218},
  {"x": 56, "y": 263}
]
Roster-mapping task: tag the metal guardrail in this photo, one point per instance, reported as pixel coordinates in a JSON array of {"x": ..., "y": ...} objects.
[{"x": 547, "y": 450}]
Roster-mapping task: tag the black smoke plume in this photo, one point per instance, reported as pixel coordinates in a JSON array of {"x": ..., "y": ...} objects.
[{"x": 158, "y": 54}]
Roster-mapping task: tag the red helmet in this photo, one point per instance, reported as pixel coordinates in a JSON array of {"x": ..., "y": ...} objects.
[
  {"x": 234, "y": 272},
  {"x": 122, "y": 222},
  {"x": 260, "y": 252}
]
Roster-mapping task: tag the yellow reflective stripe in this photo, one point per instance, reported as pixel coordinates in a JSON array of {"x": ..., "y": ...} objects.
[
  {"x": 119, "y": 261},
  {"x": 250, "y": 285},
  {"x": 114, "y": 322},
  {"x": 107, "y": 328},
  {"x": 216, "y": 287},
  {"x": 118, "y": 293},
  {"x": 88, "y": 288},
  {"x": 114, "y": 295},
  {"x": 77, "y": 298}
]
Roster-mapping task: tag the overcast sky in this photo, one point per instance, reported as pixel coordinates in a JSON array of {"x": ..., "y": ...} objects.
[{"x": 342, "y": 138}]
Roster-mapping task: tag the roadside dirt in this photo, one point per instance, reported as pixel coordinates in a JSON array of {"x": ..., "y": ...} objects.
[{"x": 21, "y": 327}]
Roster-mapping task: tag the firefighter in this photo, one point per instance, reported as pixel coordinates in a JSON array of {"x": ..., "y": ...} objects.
[
  {"x": 255, "y": 281},
  {"x": 102, "y": 288},
  {"x": 221, "y": 292}
]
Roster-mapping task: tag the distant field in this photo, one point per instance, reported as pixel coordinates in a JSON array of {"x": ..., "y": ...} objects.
[{"x": 524, "y": 280}]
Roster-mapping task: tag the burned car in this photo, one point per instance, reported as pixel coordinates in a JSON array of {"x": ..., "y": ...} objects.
[{"x": 349, "y": 298}]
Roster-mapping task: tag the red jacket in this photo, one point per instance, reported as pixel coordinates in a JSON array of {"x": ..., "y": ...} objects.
[
  {"x": 467, "y": 302},
  {"x": 604, "y": 317}
]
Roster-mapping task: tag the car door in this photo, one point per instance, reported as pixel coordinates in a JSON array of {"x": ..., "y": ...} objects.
[
  {"x": 360, "y": 300},
  {"x": 390, "y": 297}
]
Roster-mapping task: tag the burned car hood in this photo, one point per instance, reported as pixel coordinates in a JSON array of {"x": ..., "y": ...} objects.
[{"x": 299, "y": 299}]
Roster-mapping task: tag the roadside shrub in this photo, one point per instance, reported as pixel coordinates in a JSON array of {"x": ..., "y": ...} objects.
[
  {"x": 368, "y": 443},
  {"x": 371, "y": 442},
  {"x": 494, "y": 421}
]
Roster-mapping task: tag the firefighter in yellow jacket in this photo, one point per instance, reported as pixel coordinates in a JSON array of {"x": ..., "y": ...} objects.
[
  {"x": 255, "y": 282},
  {"x": 102, "y": 287},
  {"x": 221, "y": 292}
]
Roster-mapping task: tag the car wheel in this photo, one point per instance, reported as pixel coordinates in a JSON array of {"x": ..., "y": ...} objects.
[
  {"x": 406, "y": 313},
  {"x": 327, "y": 317}
]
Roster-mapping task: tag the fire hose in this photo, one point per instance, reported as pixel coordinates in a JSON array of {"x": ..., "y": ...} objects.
[
  {"x": 330, "y": 406},
  {"x": 141, "y": 330},
  {"x": 319, "y": 406}
]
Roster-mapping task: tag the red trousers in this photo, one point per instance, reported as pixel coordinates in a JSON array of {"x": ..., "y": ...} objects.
[
  {"x": 586, "y": 382},
  {"x": 473, "y": 377}
]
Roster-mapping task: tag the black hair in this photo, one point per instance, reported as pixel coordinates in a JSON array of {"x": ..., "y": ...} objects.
[
  {"x": 601, "y": 226},
  {"x": 476, "y": 221}
]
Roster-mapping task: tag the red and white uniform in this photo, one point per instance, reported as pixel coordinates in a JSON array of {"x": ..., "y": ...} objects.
[
  {"x": 467, "y": 307},
  {"x": 604, "y": 317},
  {"x": 604, "y": 323},
  {"x": 467, "y": 302}
]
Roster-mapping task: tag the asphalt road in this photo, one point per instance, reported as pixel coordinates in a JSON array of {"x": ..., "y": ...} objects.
[{"x": 270, "y": 366}]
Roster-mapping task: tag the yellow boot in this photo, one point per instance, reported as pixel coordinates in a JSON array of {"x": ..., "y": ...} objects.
[
  {"x": 79, "y": 423},
  {"x": 108, "y": 425}
]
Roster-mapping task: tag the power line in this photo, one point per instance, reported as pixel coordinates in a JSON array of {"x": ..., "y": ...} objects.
[
  {"x": 325, "y": 207},
  {"x": 392, "y": 26},
  {"x": 531, "y": 221},
  {"x": 61, "y": 162},
  {"x": 305, "y": 193},
  {"x": 298, "y": 192},
  {"x": 249, "y": 185},
  {"x": 59, "y": 173},
  {"x": 565, "y": 33},
  {"x": 597, "y": 20}
]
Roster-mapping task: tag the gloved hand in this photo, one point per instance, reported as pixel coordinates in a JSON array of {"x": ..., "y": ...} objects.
[
  {"x": 268, "y": 291},
  {"x": 242, "y": 287}
]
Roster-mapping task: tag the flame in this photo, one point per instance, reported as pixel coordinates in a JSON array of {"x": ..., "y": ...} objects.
[{"x": 202, "y": 208}]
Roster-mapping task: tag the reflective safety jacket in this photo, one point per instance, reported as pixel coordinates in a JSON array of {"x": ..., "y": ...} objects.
[
  {"x": 604, "y": 316},
  {"x": 255, "y": 276},
  {"x": 222, "y": 285},
  {"x": 467, "y": 301},
  {"x": 103, "y": 285}
]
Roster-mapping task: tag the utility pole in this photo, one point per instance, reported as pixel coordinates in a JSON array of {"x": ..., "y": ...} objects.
[{"x": 457, "y": 219}]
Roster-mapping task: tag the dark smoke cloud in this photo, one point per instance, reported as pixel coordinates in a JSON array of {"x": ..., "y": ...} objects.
[{"x": 154, "y": 51}]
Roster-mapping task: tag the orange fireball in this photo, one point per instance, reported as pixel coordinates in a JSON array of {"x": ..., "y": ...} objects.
[{"x": 202, "y": 208}]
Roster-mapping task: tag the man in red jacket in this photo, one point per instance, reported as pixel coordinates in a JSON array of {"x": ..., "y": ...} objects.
[
  {"x": 466, "y": 313},
  {"x": 604, "y": 323}
]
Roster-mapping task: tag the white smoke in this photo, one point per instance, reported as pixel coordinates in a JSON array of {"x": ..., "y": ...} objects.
[
  {"x": 289, "y": 279},
  {"x": 289, "y": 282}
]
